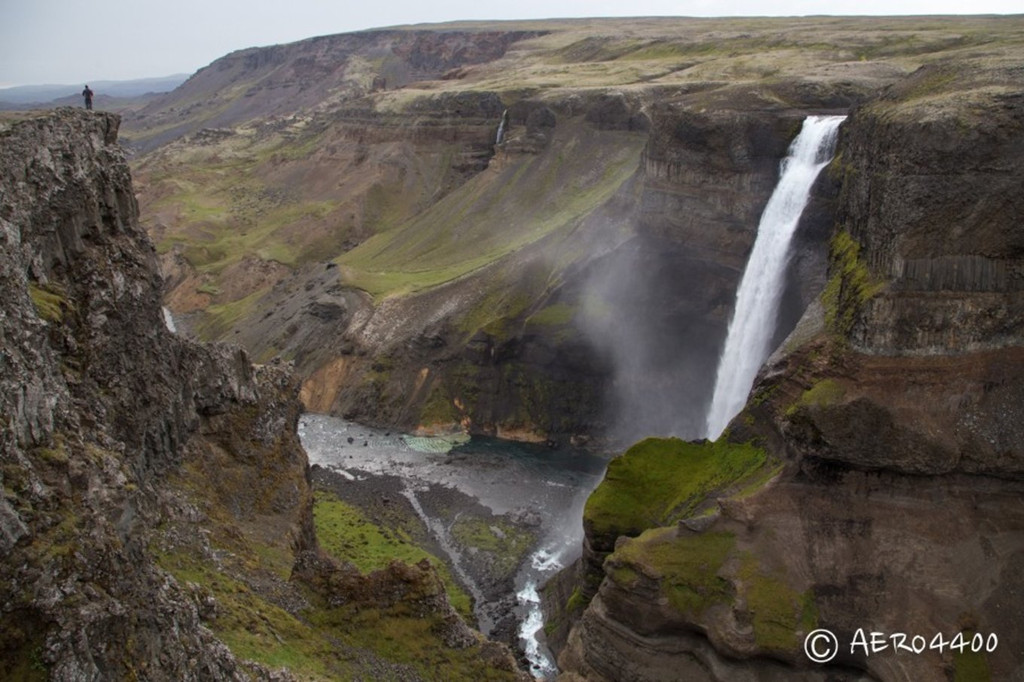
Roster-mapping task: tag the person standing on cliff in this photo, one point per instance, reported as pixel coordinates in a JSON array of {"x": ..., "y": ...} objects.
[{"x": 87, "y": 94}]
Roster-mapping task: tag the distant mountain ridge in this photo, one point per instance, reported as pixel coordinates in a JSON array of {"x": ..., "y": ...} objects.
[{"x": 42, "y": 94}]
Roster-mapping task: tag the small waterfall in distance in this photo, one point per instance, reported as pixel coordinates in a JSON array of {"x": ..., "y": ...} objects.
[
  {"x": 760, "y": 290},
  {"x": 501, "y": 128}
]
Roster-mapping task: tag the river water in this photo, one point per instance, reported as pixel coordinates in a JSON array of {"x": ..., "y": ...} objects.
[{"x": 549, "y": 485}]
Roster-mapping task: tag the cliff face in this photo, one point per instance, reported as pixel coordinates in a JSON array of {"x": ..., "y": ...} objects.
[
  {"x": 101, "y": 401},
  {"x": 956, "y": 129},
  {"x": 156, "y": 521},
  {"x": 889, "y": 424}
]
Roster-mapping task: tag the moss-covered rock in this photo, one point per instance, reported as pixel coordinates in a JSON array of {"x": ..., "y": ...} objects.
[{"x": 660, "y": 481}]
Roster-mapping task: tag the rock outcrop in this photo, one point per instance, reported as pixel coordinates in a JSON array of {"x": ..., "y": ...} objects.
[
  {"x": 100, "y": 403},
  {"x": 891, "y": 419}
]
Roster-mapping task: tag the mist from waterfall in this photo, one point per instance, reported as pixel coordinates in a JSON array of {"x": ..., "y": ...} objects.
[{"x": 757, "y": 299}]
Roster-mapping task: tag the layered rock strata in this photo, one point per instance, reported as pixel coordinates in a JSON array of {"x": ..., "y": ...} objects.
[{"x": 891, "y": 421}]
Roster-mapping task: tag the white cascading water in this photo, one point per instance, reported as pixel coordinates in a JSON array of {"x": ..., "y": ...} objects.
[
  {"x": 501, "y": 128},
  {"x": 757, "y": 299}
]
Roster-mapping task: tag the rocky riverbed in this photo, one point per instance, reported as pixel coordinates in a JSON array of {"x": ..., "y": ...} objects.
[{"x": 502, "y": 516}]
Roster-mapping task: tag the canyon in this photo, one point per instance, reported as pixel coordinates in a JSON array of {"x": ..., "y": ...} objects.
[{"x": 342, "y": 209}]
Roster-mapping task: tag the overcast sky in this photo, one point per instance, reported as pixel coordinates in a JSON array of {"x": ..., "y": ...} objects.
[{"x": 77, "y": 41}]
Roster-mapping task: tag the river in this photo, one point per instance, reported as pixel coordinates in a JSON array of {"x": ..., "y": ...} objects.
[{"x": 548, "y": 486}]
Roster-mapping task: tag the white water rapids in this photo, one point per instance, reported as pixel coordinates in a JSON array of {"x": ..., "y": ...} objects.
[{"x": 760, "y": 290}]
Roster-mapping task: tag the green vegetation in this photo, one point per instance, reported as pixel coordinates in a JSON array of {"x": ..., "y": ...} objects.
[
  {"x": 49, "y": 301},
  {"x": 504, "y": 541},
  {"x": 825, "y": 392},
  {"x": 321, "y": 642},
  {"x": 346, "y": 534},
  {"x": 213, "y": 236},
  {"x": 970, "y": 666},
  {"x": 251, "y": 626},
  {"x": 780, "y": 614},
  {"x": 693, "y": 574},
  {"x": 557, "y": 314},
  {"x": 497, "y": 213},
  {"x": 659, "y": 481},
  {"x": 402, "y": 635},
  {"x": 220, "y": 317},
  {"x": 850, "y": 284},
  {"x": 576, "y": 602},
  {"x": 495, "y": 311},
  {"x": 686, "y": 566},
  {"x": 438, "y": 408},
  {"x": 26, "y": 662},
  {"x": 625, "y": 576}
]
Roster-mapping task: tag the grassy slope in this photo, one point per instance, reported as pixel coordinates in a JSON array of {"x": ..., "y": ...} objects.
[
  {"x": 497, "y": 212},
  {"x": 239, "y": 570},
  {"x": 344, "y": 532}
]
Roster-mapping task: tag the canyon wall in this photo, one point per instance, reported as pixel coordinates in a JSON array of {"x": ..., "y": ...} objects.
[
  {"x": 341, "y": 204},
  {"x": 883, "y": 492},
  {"x": 101, "y": 403}
]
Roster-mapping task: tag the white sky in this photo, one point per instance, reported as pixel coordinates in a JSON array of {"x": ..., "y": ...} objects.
[{"x": 78, "y": 41}]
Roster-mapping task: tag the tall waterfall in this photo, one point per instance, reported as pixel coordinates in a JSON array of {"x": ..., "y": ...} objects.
[{"x": 757, "y": 299}]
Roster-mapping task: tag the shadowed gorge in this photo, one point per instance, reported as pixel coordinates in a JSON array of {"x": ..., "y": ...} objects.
[{"x": 478, "y": 325}]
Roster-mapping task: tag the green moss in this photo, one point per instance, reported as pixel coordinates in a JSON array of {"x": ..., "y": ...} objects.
[
  {"x": 825, "y": 392},
  {"x": 850, "y": 284},
  {"x": 780, "y": 614},
  {"x": 404, "y": 636},
  {"x": 764, "y": 392},
  {"x": 49, "y": 301},
  {"x": 56, "y": 455},
  {"x": 969, "y": 666},
  {"x": 321, "y": 643},
  {"x": 659, "y": 481},
  {"x": 505, "y": 542},
  {"x": 494, "y": 311},
  {"x": 253, "y": 628},
  {"x": 496, "y": 214},
  {"x": 438, "y": 408},
  {"x": 576, "y": 602},
  {"x": 345, "y": 533},
  {"x": 25, "y": 663},
  {"x": 686, "y": 566},
  {"x": 557, "y": 314},
  {"x": 209, "y": 289},
  {"x": 624, "y": 576}
]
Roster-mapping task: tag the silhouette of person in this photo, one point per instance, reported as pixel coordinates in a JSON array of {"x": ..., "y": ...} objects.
[{"x": 87, "y": 94}]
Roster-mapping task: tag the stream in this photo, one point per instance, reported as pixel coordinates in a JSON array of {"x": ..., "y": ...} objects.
[{"x": 545, "y": 486}]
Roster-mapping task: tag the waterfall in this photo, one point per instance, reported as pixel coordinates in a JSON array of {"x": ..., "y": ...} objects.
[
  {"x": 169, "y": 320},
  {"x": 757, "y": 299},
  {"x": 501, "y": 127}
]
